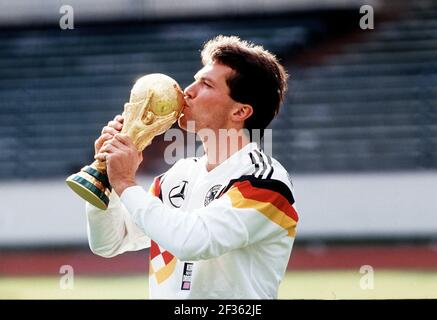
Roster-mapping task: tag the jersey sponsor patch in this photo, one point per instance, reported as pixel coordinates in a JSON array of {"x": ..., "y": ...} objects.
[
  {"x": 211, "y": 194},
  {"x": 186, "y": 276},
  {"x": 177, "y": 194}
]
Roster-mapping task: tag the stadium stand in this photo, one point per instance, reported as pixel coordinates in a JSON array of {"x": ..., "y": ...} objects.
[
  {"x": 58, "y": 88},
  {"x": 368, "y": 105}
]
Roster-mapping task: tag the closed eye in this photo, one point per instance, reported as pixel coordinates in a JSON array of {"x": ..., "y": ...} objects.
[
  {"x": 207, "y": 84},
  {"x": 204, "y": 81}
]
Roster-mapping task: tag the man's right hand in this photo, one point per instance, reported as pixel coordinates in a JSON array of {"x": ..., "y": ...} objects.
[{"x": 108, "y": 132}]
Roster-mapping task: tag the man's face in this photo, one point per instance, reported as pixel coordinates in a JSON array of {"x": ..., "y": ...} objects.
[{"x": 208, "y": 102}]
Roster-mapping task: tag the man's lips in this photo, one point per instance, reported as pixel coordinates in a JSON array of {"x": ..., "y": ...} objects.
[{"x": 186, "y": 105}]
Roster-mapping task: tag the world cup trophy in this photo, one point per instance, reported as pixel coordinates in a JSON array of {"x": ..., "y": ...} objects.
[{"x": 156, "y": 102}]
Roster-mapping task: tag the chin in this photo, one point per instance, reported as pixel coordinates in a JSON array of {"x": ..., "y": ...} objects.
[
  {"x": 187, "y": 124},
  {"x": 182, "y": 122}
]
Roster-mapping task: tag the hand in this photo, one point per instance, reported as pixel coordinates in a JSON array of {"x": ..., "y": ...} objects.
[
  {"x": 122, "y": 161},
  {"x": 108, "y": 132}
]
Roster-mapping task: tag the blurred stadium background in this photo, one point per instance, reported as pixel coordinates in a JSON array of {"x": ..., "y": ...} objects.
[{"x": 358, "y": 134}]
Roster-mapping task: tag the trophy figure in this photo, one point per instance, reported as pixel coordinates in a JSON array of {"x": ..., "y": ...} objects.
[{"x": 156, "y": 102}]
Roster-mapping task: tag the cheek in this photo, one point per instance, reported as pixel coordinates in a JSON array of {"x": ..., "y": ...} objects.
[
  {"x": 210, "y": 107},
  {"x": 218, "y": 118}
]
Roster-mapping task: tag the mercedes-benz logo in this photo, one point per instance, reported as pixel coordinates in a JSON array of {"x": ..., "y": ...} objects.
[{"x": 176, "y": 196}]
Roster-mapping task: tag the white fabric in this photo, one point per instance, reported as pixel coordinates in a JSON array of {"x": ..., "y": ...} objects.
[{"x": 233, "y": 252}]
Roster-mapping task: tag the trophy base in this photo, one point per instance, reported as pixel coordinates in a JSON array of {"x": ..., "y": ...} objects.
[{"x": 92, "y": 186}]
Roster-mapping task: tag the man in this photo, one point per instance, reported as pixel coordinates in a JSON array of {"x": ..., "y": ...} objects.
[{"x": 222, "y": 225}]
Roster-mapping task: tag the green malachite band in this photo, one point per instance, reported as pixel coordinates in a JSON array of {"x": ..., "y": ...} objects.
[
  {"x": 103, "y": 178},
  {"x": 92, "y": 188}
]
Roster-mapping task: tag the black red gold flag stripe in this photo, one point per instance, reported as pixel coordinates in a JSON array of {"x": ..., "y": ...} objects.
[{"x": 272, "y": 198}]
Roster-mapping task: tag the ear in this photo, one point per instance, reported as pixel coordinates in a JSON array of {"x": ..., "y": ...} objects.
[{"x": 241, "y": 112}]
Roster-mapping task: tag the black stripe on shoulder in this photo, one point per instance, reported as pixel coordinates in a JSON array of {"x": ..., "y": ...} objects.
[
  {"x": 261, "y": 158},
  {"x": 252, "y": 158},
  {"x": 270, "y": 173},
  {"x": 263, "y": 164},
  {"x": 269, "y": 184},
  {"x": 269, "y": 167}
]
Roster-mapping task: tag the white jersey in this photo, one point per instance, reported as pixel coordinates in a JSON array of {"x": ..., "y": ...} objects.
[{"x": 226, "y": 233}]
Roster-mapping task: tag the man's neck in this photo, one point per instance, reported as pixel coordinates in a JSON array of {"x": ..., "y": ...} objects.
[{"x": 220, "y": 149}]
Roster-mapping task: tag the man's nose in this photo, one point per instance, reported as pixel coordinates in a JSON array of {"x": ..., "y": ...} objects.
[{"x": 189, "y": 91}]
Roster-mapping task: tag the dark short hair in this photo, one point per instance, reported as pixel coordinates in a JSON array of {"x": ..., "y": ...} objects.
[{"x": 259, "y": 79}]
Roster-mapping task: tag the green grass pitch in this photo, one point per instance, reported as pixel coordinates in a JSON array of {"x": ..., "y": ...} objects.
[{"x": 296, "y": 285}]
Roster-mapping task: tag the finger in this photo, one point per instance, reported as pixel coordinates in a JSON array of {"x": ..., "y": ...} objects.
[
  {"x": 108, "y": 141},
  {"x": 109, "y": 130},
  {"x": 100, "y": 140},
  {"x": 118, "y": 145},
  {"x": 124, "y": 139},
  {"x": 108, "y": 148},
  {"x": 119, "y": 118},
  {"x": 115, "y": 124},
  {"x": 101, "y": 156},
  {"x": 104, "y": 137}
]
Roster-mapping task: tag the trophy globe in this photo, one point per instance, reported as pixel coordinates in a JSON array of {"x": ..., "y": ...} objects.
[{"x": 155, "y": 104}]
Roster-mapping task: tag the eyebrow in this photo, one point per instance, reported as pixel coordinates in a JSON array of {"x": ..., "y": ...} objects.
[{"x": 196, "y": 77}]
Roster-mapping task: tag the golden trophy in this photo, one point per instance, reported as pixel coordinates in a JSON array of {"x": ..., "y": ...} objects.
[{"x": 156, "y": 102}]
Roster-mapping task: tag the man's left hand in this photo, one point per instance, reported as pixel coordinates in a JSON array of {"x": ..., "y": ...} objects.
[{"x": 122, "y": 161}]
